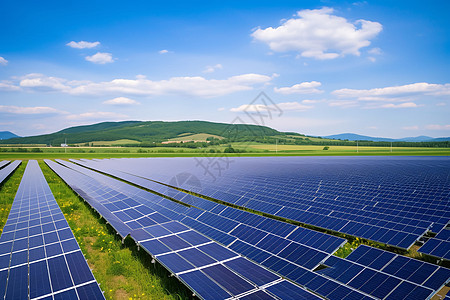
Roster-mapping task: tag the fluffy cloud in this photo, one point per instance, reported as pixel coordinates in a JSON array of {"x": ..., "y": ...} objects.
[
  {"x": 100, "y": 58},
  {"x": 343, "y": 103},
  {"x": 285, "y": 106},
  {"x": 192, "y": 86},
  {"x": 437, "y": 127},
  {"x": 401, "y": 105},
  {"x": 386, "y": 93},
  {"x": 3, "y": 61},
  {"x": 19, "y": 110},
  {"x": 300, "y": 88},
  {"x": 6, "y": 85},
  {"x": 121, "y": 101},
  {"x": 414, "y": 127},
  {"x": 163, "y": 51},
  {"x": 210, "y": 69},
  {"x": 319, "y": 34},
  {"x": 99, "y": 115},
  {"x": 82, "y": 44},
  {"x": 40, "y": 82}
]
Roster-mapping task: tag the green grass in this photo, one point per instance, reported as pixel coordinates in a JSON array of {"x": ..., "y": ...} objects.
[
  {"x": 252, "y": 149},
  {"x": 8, "y": 191},
  {"x": 122, "y": 270}
]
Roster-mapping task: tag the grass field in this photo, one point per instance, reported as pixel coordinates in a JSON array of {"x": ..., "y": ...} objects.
[
  {"x": 195, "y": 137},
  {"x": 250, "y": 149}
]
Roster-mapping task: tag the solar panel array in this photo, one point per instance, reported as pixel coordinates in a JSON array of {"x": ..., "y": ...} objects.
[
  {"x": 39, "y": 256},
  {"x": 386, "y": 275},
  {"x": 392, "y": 201},
  {"x": 439, "y": 245},
  {"x": 158, "y": 225},
  {"x": 10, "y": 167},
  {"x": 382, "y": 285}
]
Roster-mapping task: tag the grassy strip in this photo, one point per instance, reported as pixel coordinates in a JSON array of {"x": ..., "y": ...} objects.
[
  {"x": 8, "y": 191},
  {"x": 122, "y": 271}
]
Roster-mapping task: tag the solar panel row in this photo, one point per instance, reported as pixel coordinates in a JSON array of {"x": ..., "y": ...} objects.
[
  {"x": 213, "y": 230},
  {"x": 39, "y": 256},
  {"x": 4, "y": 163},
  {"x": 366, "y": 197},
  {"x": 153, "y": 222},
  {"x": 438, "y": 246},
  {"x": 234, "y": 220},
  {"x": 250, "y": 244},
  {"x": 6, "y": 171},
  {"x": 386, "y": 275}
]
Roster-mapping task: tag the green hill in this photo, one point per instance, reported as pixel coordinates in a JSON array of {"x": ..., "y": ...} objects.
[{"x": 148, "y": 132}]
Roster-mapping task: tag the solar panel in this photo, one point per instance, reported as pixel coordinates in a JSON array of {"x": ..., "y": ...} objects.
[
  {"x": 184, "y": 252},
  {"x": 242, "y": 233},
  {"x": 387, "y": 275},
  {"x": 438, "y": 246},
  {"x": 393, "y": 201},
  {"x": 4, "y": 163},
  {"x": 39, "y": 255},
  {"x": 6, "y": 171}
]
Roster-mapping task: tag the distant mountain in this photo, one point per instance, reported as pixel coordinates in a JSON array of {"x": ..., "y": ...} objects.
[
  {"x": 421, "y": 138},
  {"x": 358, "y": 137},
  {"x": 147, "y": 132},
  {"x": 4, "y": 135}
]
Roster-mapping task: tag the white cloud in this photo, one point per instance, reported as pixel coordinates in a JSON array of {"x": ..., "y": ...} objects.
[
  {"x": 284, "y": 106},
  {"x": 163, "y": 51},
  {"x": 6, "y": 85},
  {"x": 300, "y": 88},
  {"x": 100, "y": 58},
  {"x": 437, "y": 127},
  {"x": 307, "y": 101},
  {"x": 121, "y": 101},
  {"x": 20, "y": 110},
  {"x": 401, "y": 105},
  {"x": 414, "y": 127},
  {"x": 82, "y": 44},
  {"x": 375, "y": 51},
  {"x": 319, "y": 34},
  {"x": 40, "y": 82},
  {"x": 3, "y": 61},
  {"x": 99, "y": 115},
  {"x": 191, "y": 86},
  {"x": 210, "y": 69},
  {"x": 372, "y": 59},
  {"x": 386, "y": 93},
  {"x": 343, "y": 103}
]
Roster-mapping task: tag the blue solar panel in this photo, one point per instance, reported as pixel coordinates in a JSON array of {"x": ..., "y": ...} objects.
[
  {"x": 183, "y": 251},
  {"x": 40, "y": 257},
  {"x": 250, "y": 235},
  {"x": 327, "y": 192},
  {"x": 439, "y": 246},
  {"x": 7, "y": 168}
]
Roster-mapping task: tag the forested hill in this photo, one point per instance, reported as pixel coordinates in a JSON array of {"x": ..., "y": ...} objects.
[{"x": 147, "y": 132}]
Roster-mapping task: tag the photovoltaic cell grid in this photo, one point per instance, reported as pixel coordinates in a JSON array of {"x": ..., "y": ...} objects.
[
  {"x": 377, "y": 283},
  {"x": 386, "y": 275},
  {"x": 39, "y": 256},
  {"x": 280, "y": 265},
  {"x": 439, "y": 245},
  {"x": 182, "y": 250},
  {"x": 6, "y": 171},
  {"x": 389, "y": 200}
]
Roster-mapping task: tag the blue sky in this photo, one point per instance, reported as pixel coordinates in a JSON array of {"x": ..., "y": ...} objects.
[{"x": 379, "y": 68}]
